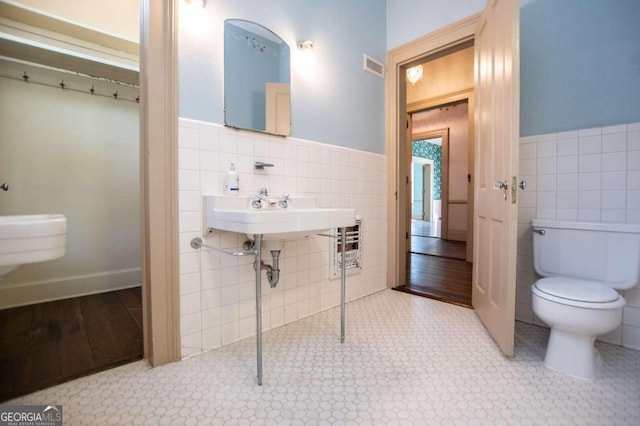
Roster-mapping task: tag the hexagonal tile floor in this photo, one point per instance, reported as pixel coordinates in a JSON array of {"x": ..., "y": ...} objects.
[{"x": 406, "y": 360}]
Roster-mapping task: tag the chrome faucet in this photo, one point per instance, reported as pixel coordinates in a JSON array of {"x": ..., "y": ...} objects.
[
  {"x": 259, "y": 165},
  {"x": 283, "y": 202},
  {"x": 262, "y": 195}
]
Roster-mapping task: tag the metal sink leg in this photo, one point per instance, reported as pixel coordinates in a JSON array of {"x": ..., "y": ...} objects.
[
  {"x": 343, "y": 281},
  {"x": 257, "y": 247}
]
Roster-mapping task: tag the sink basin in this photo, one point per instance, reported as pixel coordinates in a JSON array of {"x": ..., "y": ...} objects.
[
  {"x": 301, "y": 218},
  {"x": 29, "y": 239}
]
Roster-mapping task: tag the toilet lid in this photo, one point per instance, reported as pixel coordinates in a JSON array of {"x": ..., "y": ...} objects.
[{"x": 576, "y": 289}]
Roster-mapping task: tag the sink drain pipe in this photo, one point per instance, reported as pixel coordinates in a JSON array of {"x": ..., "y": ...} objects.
[{"x": 273, "y": 271}]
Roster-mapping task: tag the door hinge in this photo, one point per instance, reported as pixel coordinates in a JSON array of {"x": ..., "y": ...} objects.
[
  {"x": 406, "y": 235},
  {"x": 407, "y": 180},
  {"x": 469, "y": 177},
  {"x": 407, "y": 121},
  {"x": 396, "y": 194}
]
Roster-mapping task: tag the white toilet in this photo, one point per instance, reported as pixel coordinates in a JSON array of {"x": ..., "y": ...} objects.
[{"x": 583, "y": 265}]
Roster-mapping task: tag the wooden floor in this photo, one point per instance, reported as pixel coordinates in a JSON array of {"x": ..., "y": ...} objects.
[
  {"x": 424, "y": 228},
  {"x": 439, "y": 247},
  {"x": 440, "y": 278},
  {"x": 436, "y": 268},
  {"x": 50, "y": 343}
]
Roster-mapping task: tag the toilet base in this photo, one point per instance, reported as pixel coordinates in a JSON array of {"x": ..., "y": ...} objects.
[{"x": 572, "y": 354}]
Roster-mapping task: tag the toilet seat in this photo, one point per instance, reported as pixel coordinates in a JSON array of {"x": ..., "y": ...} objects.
[{"x": 578, "y": 292}]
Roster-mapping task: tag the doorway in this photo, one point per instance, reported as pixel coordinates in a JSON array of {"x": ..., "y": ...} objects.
[
  {"x": 83, "y": 312},
  {"x": 436, "y": 256},
  {"x": 441, "y": 134},
  {"x": 440, "y": 54},
  {"x": 495, "y": 35},
  {"x": 430, "y": 196}
]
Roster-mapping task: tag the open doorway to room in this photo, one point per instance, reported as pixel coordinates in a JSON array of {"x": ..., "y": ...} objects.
[
  {"x": 439, "y": 106},
  {"x": 439, "y": 166},
  {"x": 440, "y": 135},
  {"x": 431, "y": 233},
  {"x": 493, "y": 74},
  {"x": 82, "y": 312}
]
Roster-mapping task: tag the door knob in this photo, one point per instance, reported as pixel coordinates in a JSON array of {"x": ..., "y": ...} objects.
[
  {"x": 501, "y": 184},
  {"x": 523, "y": 184}
]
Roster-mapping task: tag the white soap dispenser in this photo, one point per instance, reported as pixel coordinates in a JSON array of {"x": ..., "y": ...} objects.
[{"x": 232, "y": 181}]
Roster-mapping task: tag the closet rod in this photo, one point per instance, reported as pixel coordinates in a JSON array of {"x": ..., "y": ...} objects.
[{"x": 91, "y": 91}]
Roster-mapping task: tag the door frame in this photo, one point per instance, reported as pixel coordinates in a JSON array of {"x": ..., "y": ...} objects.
[
  {"x": 159, "y": 180},
  {"x": 443, "y": 134},
  {"x": 398, "y": 60}
]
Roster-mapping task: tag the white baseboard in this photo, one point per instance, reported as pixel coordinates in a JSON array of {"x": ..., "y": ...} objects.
[{"x": 80, "y": 285}]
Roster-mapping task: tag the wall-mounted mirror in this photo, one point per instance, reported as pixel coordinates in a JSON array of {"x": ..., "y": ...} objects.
[{"x": 257, "y": 94}]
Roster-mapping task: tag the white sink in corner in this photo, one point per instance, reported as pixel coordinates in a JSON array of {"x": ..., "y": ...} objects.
[
  {"x": 29, "y": 239},
  {"x": 301, "y": 218}
]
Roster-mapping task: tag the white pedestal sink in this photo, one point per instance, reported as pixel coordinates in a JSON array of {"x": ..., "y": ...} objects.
[
  {"x": 269, "y": 226},
  {"x": 29, "y": 239},
  {"x": 301, "y": 217}
]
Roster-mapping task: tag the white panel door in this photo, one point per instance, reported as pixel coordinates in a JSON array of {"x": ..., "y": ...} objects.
[{"x": 496, "y": 165}]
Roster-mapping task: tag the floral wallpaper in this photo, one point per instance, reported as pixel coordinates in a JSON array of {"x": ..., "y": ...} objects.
[{"x": 431, "y": 151}]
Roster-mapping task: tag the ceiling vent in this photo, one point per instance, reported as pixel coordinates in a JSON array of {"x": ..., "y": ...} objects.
[{"x": 373, "y": 66}]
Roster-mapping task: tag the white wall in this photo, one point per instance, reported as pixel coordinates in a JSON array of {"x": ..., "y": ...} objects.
[
  {"x": 76, "y": 154},
  {"x": 217, "y": 301},
  {"x": 117, "y": 17},
  {"x": 590, "y": 175}
]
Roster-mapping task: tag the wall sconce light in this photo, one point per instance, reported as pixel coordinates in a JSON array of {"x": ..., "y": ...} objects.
[
  {"x": 414, "y": 74},
  {"x": 306, "y": 62},
  {"x": 306, "y": 45}
]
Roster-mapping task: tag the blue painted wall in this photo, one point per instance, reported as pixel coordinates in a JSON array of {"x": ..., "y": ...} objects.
[
  {"x": 579, "y": 59},
  {"x": 333, "y": 100},
  {"x": 579, "y": 64},
  {"x": 411, "y": 19}
]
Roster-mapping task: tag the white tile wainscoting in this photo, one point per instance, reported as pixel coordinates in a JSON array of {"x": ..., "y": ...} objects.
[
  {"x": 590, "y": 175},
  {"x": 217, "y": 291}
]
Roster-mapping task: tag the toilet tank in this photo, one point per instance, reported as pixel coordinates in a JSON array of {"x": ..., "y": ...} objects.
[{"x": 597, "y": 251}]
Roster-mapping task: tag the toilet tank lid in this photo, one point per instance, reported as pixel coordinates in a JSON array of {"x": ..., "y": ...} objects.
[
  {"x": 594, "y": 226},
  {"x": 577, "y": 289}
]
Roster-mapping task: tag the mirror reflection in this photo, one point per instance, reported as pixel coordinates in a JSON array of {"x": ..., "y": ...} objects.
[{"x": 257, "y": 94}]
